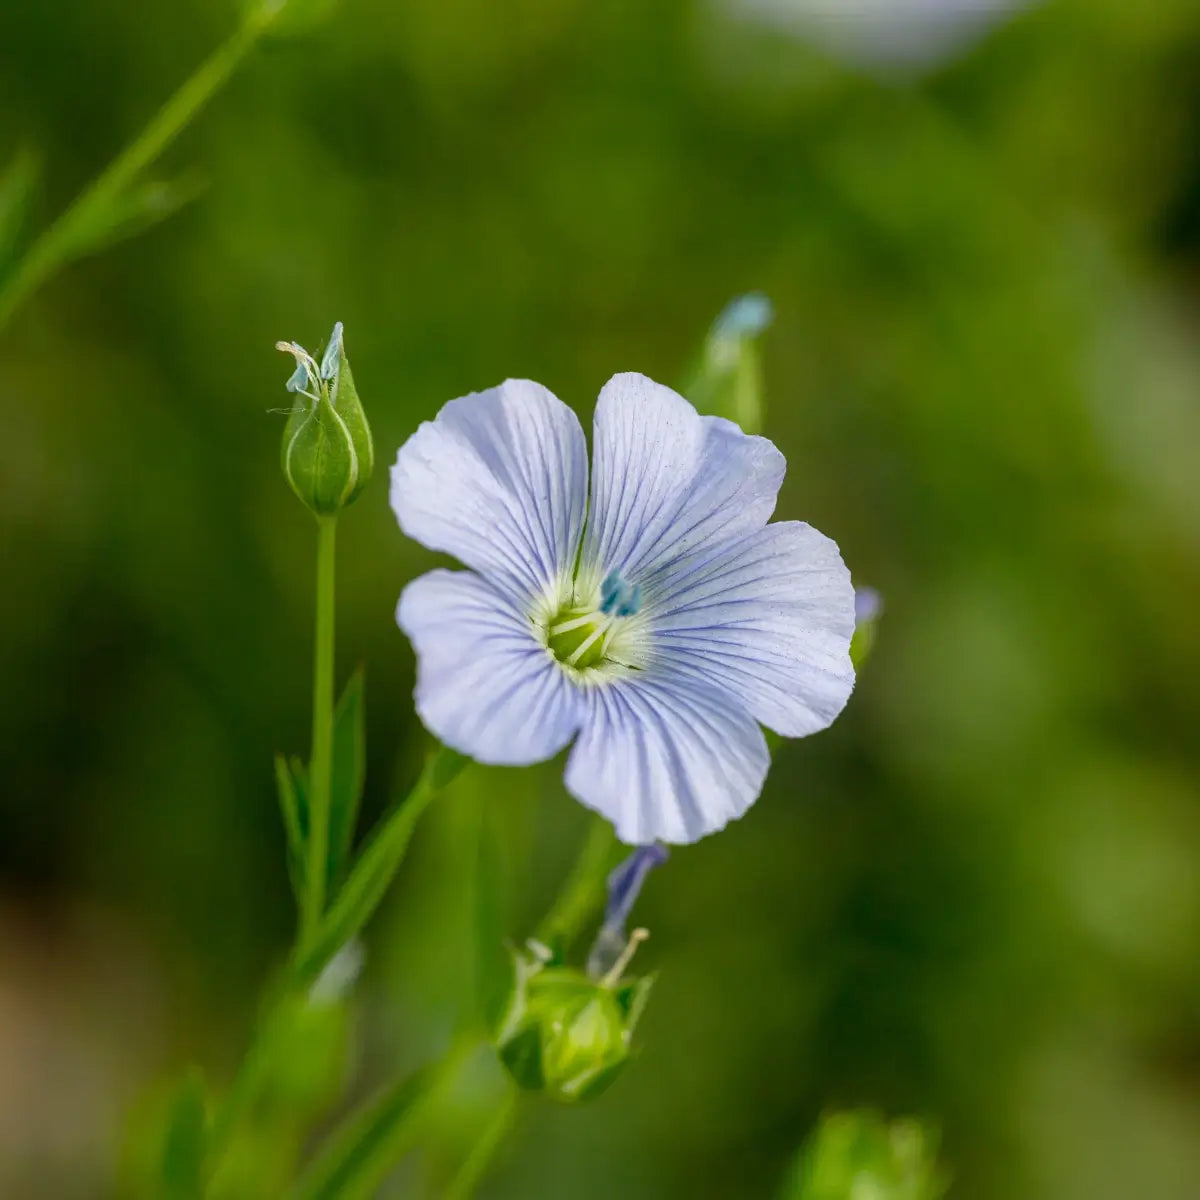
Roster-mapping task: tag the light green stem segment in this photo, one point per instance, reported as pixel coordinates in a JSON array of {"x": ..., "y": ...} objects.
[
  {"x": 321, "y": 765},
  {"x": 584, "y": 891},
  {"x": 62, "y": 240}
]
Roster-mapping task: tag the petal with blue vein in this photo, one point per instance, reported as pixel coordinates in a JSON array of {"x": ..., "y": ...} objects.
[
  {"x": 667, "y": 482},
  {"x": 499, "y": 480},
  {"x": 666, "y": 758},
  {"x": 767, "y": 620},
  {"x": 485, "y": 685}
]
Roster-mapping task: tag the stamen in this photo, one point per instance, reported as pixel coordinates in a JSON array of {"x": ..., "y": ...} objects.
[
  {"x": 589, "y": 642},
  {"x": 567, "y": 626},
  {"x": 636, "y": 938}
]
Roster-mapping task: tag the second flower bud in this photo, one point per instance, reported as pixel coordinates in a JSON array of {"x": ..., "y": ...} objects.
[{"x": 327, "y": 454}]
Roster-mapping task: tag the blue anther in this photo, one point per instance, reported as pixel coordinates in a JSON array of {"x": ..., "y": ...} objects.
[{"x": 617, "y": 598}]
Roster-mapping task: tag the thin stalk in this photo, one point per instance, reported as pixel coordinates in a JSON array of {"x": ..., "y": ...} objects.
[
  {"x": 471, "y": 1173},
  {"x": 58, "y": 243},
  {"x": 321, "y": 765},
  {"x": 584, "y": 892}
]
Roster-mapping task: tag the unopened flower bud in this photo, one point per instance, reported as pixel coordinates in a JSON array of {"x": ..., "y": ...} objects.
[
  {"x": 727, "y": 379},
  {"x": 868, "y": 608},
  {"x": 327, "y": 453},
  {"x": 565, "y": 1034}
]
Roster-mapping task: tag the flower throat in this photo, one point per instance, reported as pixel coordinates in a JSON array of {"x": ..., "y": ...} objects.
[{"x": 579, "y": 636}]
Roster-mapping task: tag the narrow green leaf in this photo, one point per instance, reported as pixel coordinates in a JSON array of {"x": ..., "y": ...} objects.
[
  {"x": 362, "y": 1154},
  {"x": 185, "y": 1142},
  {"x": 300, "y": 779},
  {"x": 374, "y": 870},
  {"x": 348, "y": 777},
  {"x": 17, "y": 186},
  {"x": 293, "y": 824}
]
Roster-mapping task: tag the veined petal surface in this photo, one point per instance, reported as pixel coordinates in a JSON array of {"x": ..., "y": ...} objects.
[
  {"x": 485, "y": 685},
  {"x": 666, "y": 758},
  {"x": 667, "y": 482},
  {"x": 768, "y": 620},
  {"x": 499, "y": 480}
]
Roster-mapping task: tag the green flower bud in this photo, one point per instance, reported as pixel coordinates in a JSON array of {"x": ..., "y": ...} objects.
[
  {"x": 327, "y": 454},
  {"x": 566, "y": 1034},
  {"x": 859, "y": 1153}
]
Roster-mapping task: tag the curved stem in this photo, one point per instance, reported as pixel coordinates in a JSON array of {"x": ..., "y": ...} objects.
[
  {"x": 584, "y": 891},
  {"x": 60, "y": 241},
  {"x": 321, "y": 766}
]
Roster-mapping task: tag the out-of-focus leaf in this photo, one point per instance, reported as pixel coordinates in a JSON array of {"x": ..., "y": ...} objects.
[
  {"x": 859, "y": 1153},
  {"x": 185, "y": 1142},
  {"x": 348, "y": 775},
  {"x": 17, "y": 187},
  {"x": 367, "y": 882}
]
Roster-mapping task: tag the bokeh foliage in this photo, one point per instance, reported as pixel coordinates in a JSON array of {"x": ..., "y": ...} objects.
[{"x": 978, "y": 896}]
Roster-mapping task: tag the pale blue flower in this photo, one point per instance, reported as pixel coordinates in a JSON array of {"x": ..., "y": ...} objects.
[{"x": 654, "y": 626}]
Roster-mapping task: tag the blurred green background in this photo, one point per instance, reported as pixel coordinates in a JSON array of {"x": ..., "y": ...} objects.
[{"x": 976, "y": 898}]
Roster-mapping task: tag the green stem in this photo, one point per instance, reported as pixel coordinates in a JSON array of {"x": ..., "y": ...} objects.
[
  {"x": 59, "y": 242},
  {"x": 471, "y": 1173},
  {"x": 584, "y": 891},
  {"x": 321, "y": 766}
]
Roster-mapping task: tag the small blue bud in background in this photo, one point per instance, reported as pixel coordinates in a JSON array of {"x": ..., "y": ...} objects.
[
  {"x": 868, "y": 608},
  {"x": 328, "y": 454},
  {"x": 727, "y": 380}
]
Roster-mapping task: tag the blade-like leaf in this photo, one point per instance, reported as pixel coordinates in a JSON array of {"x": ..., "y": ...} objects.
[
  {"x": 184, "y": 1146},
  {"x": 293, "y": 824},
  {"x": 348, "y": 775},
  {"x": 367, "y": 882}
]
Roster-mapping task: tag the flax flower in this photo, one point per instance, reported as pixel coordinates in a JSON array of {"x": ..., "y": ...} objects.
[{"x": 655, "y": 626}]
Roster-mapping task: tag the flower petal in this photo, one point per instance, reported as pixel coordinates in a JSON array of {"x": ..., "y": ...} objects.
[
  {"x": 666, "y": 758},
  {"x": 769, "y": 620},
  {"x": 668, "y": 482},
  {"x": 485, "y": 685},
  {"x": 499, "y": 480}
]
